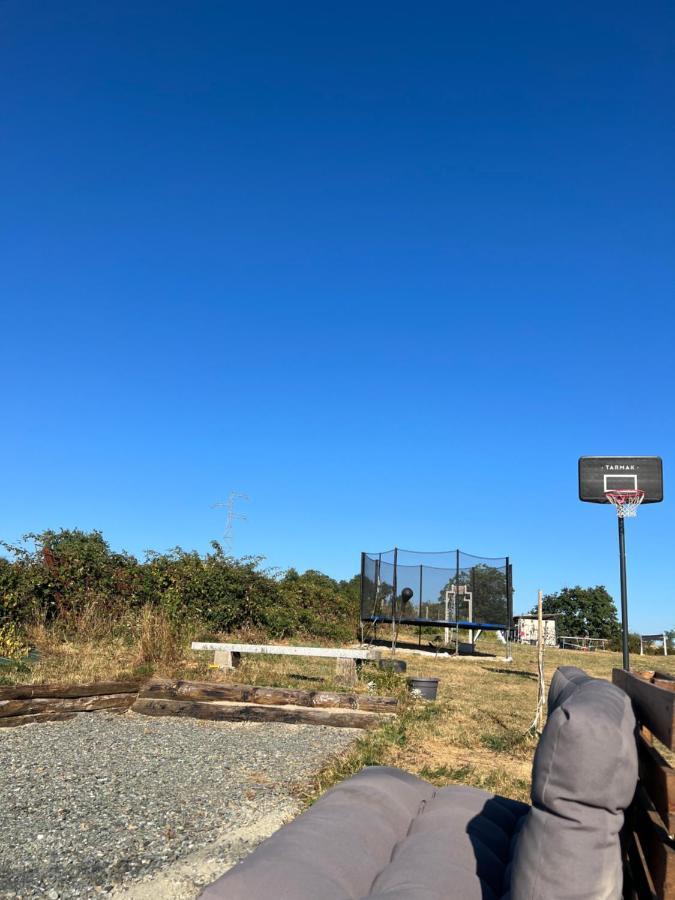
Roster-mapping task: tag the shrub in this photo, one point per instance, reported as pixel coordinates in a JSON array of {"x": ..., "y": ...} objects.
[
  {"x": 72, "y": 578},
  {"x": 12, "y": 642}
]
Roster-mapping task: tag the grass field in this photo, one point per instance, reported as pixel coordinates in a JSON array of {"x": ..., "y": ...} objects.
[{"x": 475, "y": 733}]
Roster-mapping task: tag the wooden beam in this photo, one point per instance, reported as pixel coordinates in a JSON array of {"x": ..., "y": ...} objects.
[
  {"x": 658, "y": 779},
  {"x": 658, "y": 849},
  {"x": 641, "y": 886},
  {"x": 654, "y": 705},
  {"x": 222, "y": 711},
  {"x": 166, "y": 689},
  {"x": 285, "y": 650},
  {"x": 12, "y": 721},
  {"x": 38, "y": 705},
  {"x": 91, "y": 689}
]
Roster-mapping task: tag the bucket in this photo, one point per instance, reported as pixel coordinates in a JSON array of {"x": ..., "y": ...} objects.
[
  {"x": 423, "y": 687},
  {"x": 393, "y": 665}
]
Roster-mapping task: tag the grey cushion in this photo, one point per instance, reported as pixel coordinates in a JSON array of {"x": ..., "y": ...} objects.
[
  {"x": 337, "y": 848},
  {"x": 459, "y": 845},
  {"x": 383, "y": 834},
  {"x": 583, "y": 778}
]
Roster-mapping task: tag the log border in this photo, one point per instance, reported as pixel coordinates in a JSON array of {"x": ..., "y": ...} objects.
[{"x": 221, "y": 701}]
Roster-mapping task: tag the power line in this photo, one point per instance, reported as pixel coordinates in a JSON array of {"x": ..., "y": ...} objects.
[{"x": 231, "y": 517}]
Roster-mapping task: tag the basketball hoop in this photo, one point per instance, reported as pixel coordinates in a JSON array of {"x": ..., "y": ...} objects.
[{"x": 625, "y": 502}]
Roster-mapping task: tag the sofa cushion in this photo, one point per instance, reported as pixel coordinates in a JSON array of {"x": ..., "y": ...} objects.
[
  {"x": 388, "y": 835},
  {"x": 459, "y": 844},
  {"x": 583, "y": 778},
  {"x": 337, "y": 848}
]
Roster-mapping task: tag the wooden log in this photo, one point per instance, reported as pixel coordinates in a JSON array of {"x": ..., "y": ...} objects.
[
  {"x": 193, "y": 690},
  {"x": 204, "y": 690},
  {"x": 223, "y": 711},
  {"x": 658, "y": 779},
  {"x": 654, "y": 705},
  {"x": 12, "y": 721},
  {"x": 91, "y": 689},
  {"x": 38, "y": 705},
  {"x": 362, "y": 701}
]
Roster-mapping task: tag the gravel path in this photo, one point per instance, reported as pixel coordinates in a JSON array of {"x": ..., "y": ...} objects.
[{"x": 132, "y": 806}]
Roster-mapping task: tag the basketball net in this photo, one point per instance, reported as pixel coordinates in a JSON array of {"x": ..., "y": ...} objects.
[{"x": 625, "y": 502}]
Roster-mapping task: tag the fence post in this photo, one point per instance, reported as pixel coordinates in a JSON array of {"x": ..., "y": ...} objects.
[{"x": 538, "y": 721}]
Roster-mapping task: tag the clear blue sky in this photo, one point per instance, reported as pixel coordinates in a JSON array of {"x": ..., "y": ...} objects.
[{"x": 381, "y": 267}]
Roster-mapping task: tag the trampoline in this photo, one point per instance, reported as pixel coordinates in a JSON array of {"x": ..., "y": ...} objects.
[{"x": 446, "y": 589}]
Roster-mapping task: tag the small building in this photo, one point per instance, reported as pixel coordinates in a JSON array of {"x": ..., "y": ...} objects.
[{"x": 526, "y": 630}]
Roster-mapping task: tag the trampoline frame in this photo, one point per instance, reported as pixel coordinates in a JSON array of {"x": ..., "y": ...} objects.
[{"x": 399, "y": 618}]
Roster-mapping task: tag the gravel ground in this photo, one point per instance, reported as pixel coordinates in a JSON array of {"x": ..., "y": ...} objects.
[{"x": 132, "y": 806}]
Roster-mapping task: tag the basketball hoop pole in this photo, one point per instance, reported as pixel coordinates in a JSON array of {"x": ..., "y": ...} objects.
[
  {"x": 625, "y": 482},
  {"x": 624, "y": 594}
]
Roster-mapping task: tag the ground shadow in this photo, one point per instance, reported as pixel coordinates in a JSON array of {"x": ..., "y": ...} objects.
[
  {"x": 429, "y": 648},
  {"x": 532, "y": 675}
]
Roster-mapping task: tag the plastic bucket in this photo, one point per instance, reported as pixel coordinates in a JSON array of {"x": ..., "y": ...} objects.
[
  {"x": 393, "y": 665},
  {"x": 423, "y": 687}
]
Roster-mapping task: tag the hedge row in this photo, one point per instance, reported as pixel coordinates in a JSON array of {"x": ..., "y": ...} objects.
[{"x": 60, "y": 575}]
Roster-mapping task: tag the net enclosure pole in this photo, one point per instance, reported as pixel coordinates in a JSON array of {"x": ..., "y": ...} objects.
[
  {"x": 456, "y": 615},
  {"x": 419, "y": 638},
  {"x": 393, "y": 600},
  {"x": 363, "y": 599},
  {"x": 624, "y": 593}
]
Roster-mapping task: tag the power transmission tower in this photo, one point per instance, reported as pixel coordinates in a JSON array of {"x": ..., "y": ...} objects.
[{"x": 230, "y": 518}]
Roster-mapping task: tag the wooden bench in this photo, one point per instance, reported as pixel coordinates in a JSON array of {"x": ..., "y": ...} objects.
[
  {"x": 649, "y": 832},
  {"x": 228, "y": 656}
]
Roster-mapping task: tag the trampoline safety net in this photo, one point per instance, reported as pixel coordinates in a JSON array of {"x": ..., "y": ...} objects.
[{"x": 442, "y": 583}]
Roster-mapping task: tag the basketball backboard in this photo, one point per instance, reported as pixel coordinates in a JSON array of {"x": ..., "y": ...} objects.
[{"x": 600, "y": 474}]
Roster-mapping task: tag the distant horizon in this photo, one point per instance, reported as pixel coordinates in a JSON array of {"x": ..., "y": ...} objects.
[{"x": 140, "y": 555}]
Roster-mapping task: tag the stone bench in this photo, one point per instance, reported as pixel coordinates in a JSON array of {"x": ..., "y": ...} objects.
[
  {"x": 228, "y": 655},
  {"x": 389, "y": 835}
]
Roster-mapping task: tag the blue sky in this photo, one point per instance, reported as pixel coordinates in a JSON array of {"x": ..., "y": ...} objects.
[{"x": 388, "y": 269}]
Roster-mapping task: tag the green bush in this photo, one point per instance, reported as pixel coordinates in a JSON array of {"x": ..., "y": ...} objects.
[{"x": 62, "y": 576}]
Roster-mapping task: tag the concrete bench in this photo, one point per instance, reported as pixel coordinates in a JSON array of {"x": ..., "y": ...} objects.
[
  {"x": 390, "y": 835},
  {"x": 228, "y": 655}
]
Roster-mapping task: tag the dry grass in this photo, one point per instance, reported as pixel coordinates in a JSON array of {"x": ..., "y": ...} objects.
[{"x": 475, "y": 733}]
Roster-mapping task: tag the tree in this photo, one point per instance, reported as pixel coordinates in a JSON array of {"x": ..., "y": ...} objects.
[
  {"x": 588, "y": 612},
  {"x": 670, "y": 637}
]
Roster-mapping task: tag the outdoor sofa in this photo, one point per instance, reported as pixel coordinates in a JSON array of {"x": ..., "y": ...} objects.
[{"x": 389, "y": 835}]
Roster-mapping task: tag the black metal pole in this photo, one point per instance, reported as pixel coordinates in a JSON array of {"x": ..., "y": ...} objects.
[
  {"x": 419, "y": 639},
  {"x": 624, "y": 594},
  {"x": 393, "y": 601},
  {"x": 363, "y": 599}
]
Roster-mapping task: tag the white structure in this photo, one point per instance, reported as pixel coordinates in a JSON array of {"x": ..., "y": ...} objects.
[
  {"x": 654, "y": 639},
  {"x": 582, "y": 642},
  {"x": 455, "y": 595},
  {"x": 527, "y": 630}
]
